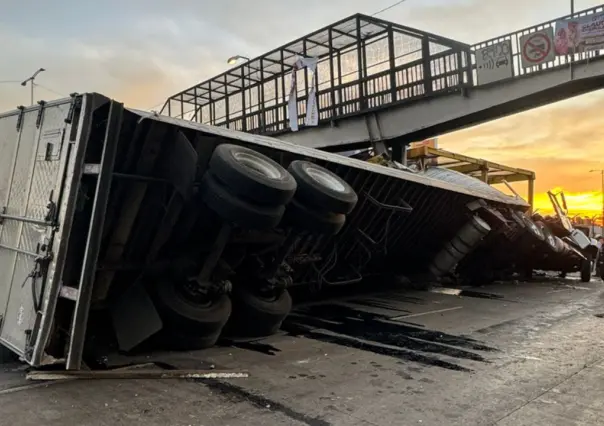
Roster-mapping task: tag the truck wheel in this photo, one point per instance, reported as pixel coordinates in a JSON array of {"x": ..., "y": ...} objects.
[
  {"x": 586, "y": 268},
  {"x": 194, "y": 318},
  {"x": 257, "y": 315},
  {"x": 300, "y": 217},
  {"x": 251, "y": 175},
  {"x": 233, "y": 209},
  {"x": 321, "y": 188}
]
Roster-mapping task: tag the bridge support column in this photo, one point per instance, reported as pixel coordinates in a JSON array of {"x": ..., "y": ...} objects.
[
  {"x": 398, "y": 151},
  {"x": 374, "y": 130},
  {"x": 531, "y": 193}
]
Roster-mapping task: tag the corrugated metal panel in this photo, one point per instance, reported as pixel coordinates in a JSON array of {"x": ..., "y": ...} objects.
[{"x": 472, "y": 184}]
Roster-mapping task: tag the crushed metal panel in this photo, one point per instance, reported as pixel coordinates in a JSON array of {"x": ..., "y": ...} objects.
[{"x": 41, "y": 157}]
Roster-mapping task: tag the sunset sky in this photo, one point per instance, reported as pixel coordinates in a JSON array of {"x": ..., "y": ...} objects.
[
  {"x": 560, "y": 142},
  {"x": 142, "y": 51}
]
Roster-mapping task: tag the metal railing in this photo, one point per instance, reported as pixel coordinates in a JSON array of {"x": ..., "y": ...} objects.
[
  {"x": 557, "y": 63},
  {"x": 435, "y": 67},
  {"x": 401, "y": 84}
]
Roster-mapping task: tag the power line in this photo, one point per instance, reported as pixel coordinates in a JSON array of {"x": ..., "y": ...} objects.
[
  {"x": 10, "y": 81},
  {"x": 389, "y": 7},
  {"x": 153, "y": 108},
  {"x": 50, "y": 90}
]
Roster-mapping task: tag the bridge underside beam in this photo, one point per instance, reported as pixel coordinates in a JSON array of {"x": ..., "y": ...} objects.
[{"x": 438, "y": 115}]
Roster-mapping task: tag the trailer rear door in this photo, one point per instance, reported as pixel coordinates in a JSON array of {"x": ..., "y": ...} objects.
[{"x": 35, "y": 155}]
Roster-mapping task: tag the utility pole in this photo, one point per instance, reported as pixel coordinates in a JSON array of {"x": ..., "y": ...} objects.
[
  {"x": 601, "y": 171},
  {"x": 31, "y": 80}
]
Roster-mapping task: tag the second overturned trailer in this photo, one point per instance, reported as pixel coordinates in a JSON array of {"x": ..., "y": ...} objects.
[{"x": 120, "y": 226}]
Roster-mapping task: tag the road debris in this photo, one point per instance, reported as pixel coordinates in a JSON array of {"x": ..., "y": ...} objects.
[{"x": 135, "y": 374}]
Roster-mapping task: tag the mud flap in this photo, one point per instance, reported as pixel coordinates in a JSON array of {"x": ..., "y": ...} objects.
[{"x": 134, "y": 317}]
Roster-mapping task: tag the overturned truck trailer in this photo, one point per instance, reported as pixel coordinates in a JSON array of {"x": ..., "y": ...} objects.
[{"x": 121, "y": 226}]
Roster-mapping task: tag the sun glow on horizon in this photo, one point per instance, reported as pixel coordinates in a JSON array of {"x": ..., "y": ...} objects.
[{"x": 581, "y": 204}]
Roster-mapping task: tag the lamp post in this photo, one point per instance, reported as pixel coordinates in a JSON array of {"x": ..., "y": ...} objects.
[
  {"x": 234, "y": 59},
  {"x": 31, "y": 80},
  {"x": 601, "y": 171}
]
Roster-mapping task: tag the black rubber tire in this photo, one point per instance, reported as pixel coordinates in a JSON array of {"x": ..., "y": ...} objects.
[
  {"x": 248, "y": 183},
  {"x": 255, "y": 315},
  {"x": 313, "y": 193},
  {"x": 182, "y": 316},
  {"x": 586, "y": 268},
  {"x": 233, "y": 209},
  {"x": 301, "y": 217}
]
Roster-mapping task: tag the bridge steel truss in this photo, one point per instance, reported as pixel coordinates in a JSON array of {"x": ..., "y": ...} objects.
[{"x": 364, "y": 64}]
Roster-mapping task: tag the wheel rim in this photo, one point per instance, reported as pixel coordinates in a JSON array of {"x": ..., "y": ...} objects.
[
  {"x": 325, "y": 179},
  {"x": 259, "y": 165}
]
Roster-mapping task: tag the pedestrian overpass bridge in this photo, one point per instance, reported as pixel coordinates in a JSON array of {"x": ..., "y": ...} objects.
[{"x": 378, "y": 81}]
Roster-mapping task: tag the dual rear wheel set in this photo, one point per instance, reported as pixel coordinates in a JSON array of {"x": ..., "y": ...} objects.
[{"x": 248, "y": 190}]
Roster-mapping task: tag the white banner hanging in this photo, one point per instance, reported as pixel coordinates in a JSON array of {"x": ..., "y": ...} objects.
[{"x": 312, "y": 109}]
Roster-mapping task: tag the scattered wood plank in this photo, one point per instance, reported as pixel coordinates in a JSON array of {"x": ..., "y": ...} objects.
[{"x": 135, "y": 374}]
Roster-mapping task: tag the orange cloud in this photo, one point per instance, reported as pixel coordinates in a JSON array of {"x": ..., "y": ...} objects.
[
  {"x": 560, "y": 142},
  {"x": 583, "y": 204}
]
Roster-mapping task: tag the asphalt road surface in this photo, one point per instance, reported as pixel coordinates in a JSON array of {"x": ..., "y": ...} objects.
[{"x": 507, "y": 354}]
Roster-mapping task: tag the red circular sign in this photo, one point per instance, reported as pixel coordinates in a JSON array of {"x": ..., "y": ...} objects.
[{"x": 536, "y": 48}]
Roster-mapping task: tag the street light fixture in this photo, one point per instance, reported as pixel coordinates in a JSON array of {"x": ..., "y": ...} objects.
[
  {"x": 601, "y": 171},
  {"x": 31, "y": 79},
  {"x": 234, "y": 59}
]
